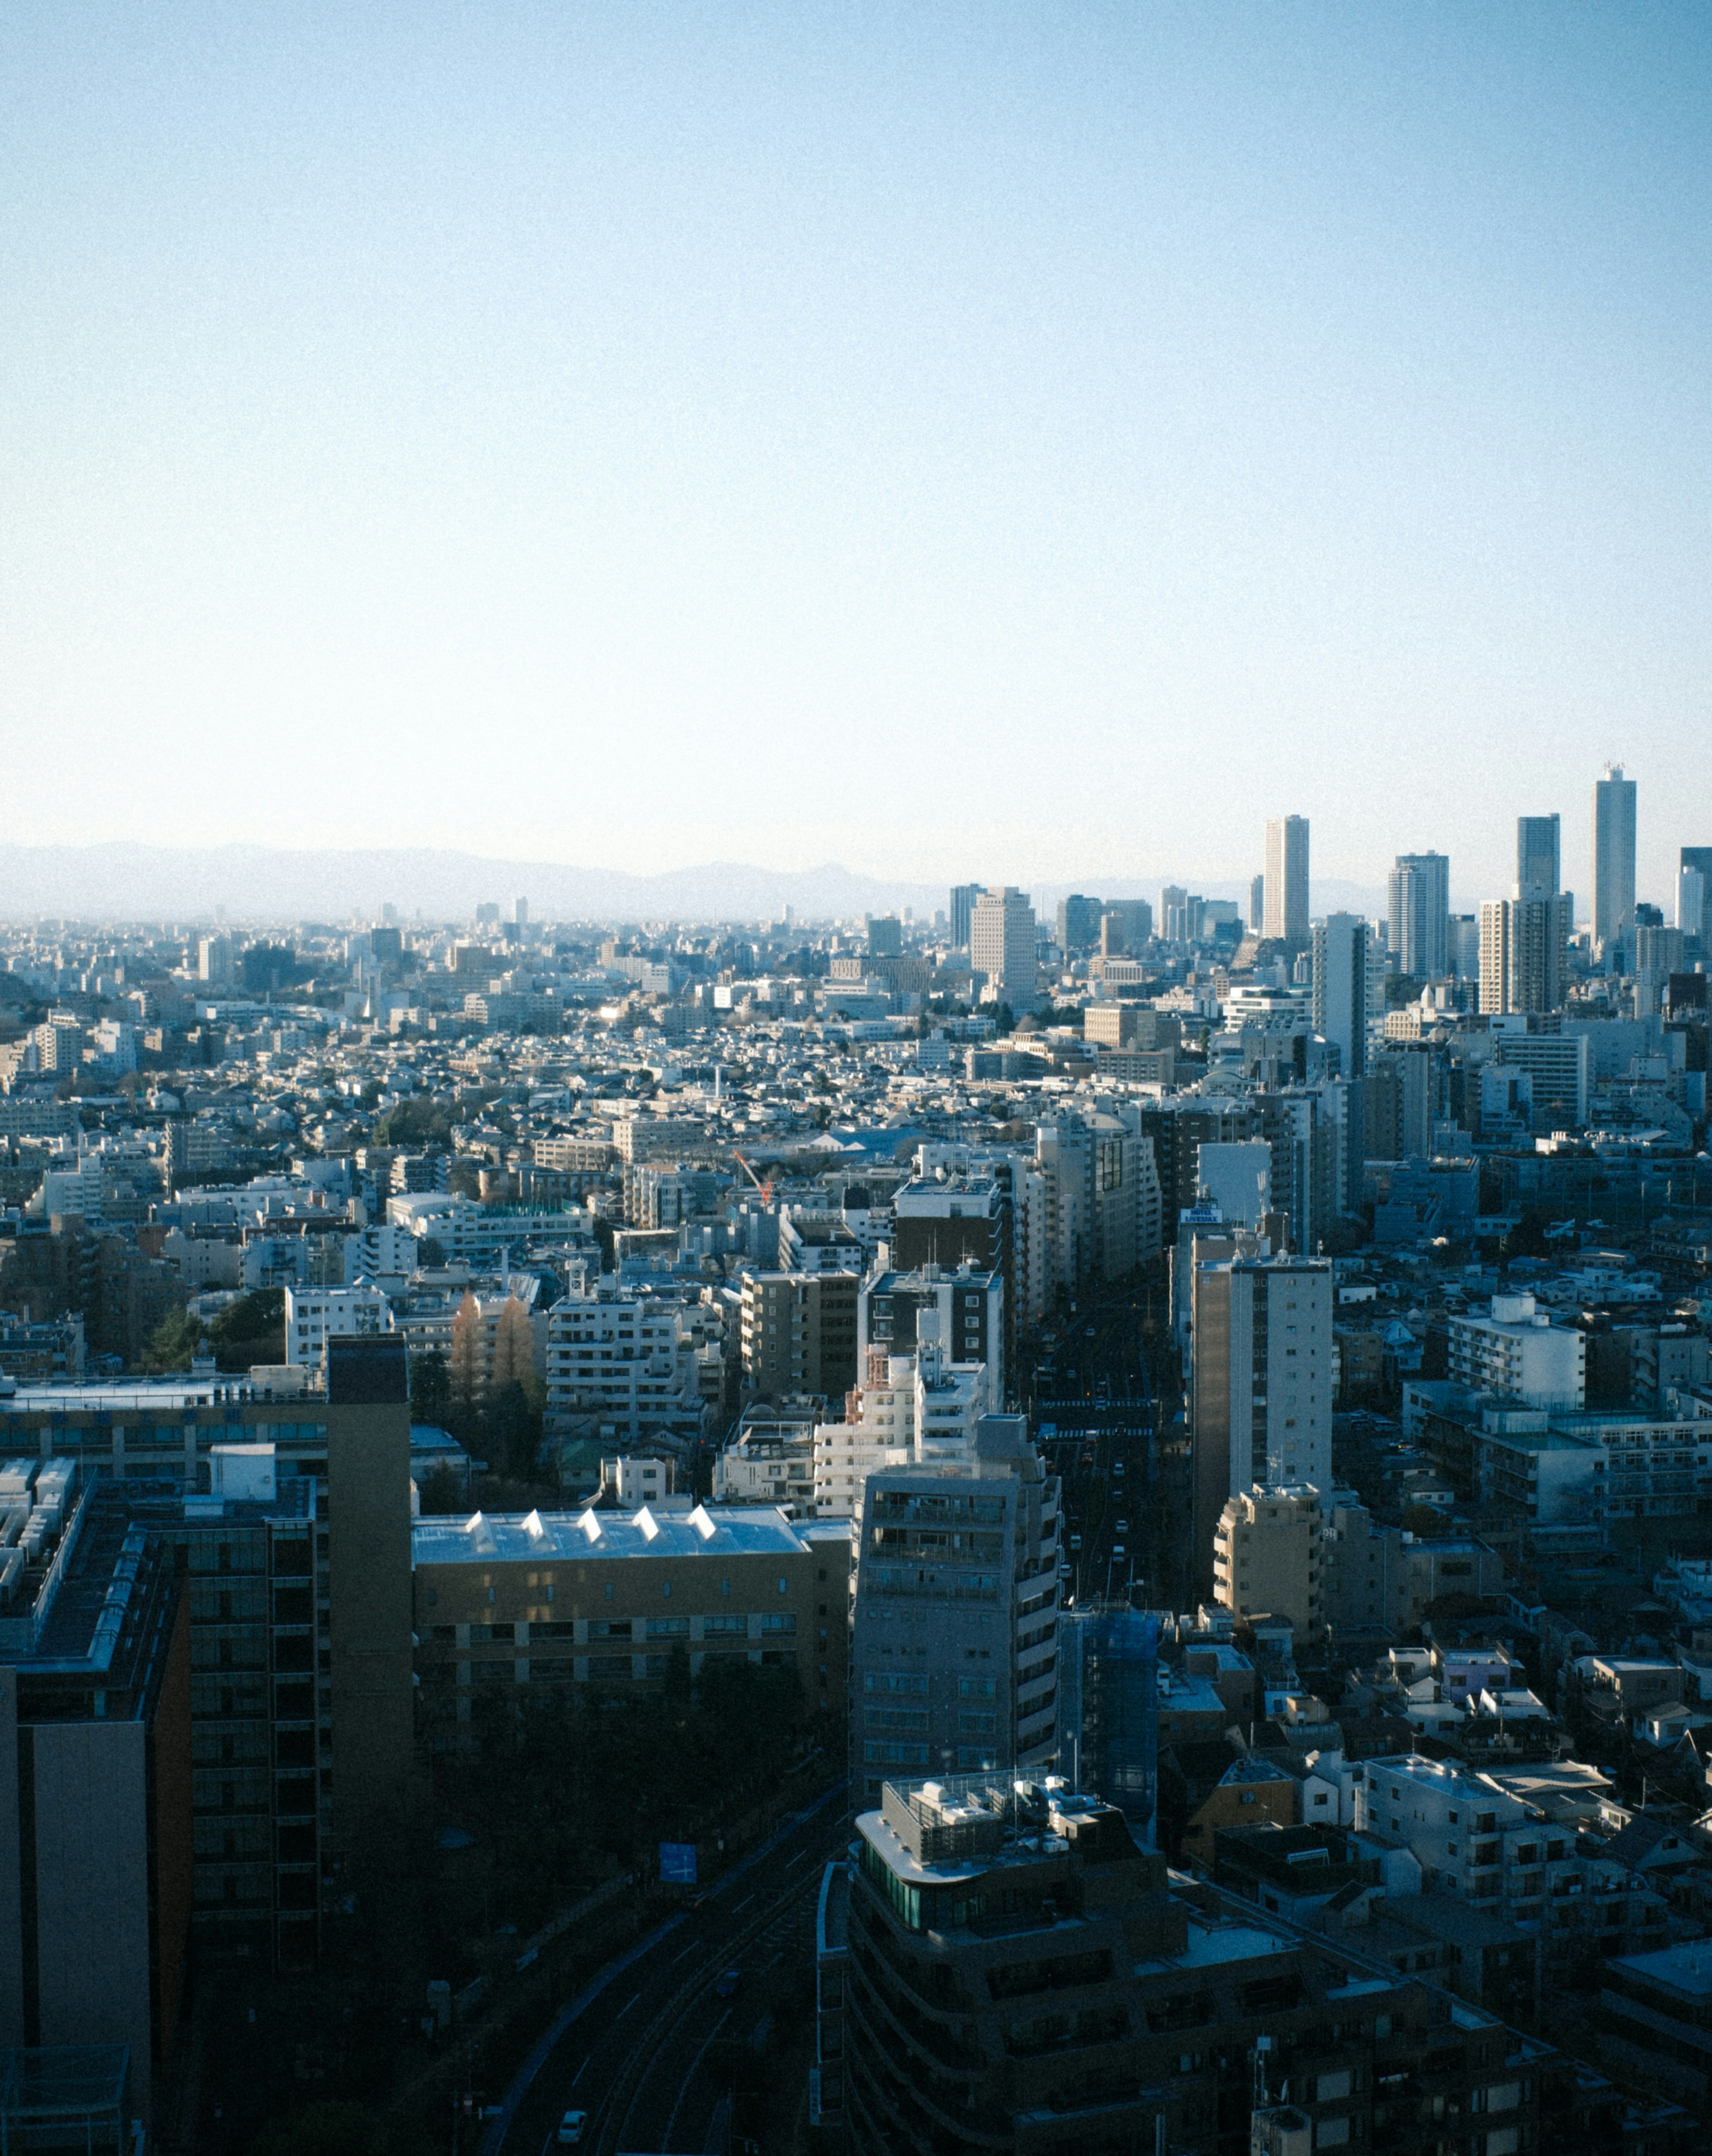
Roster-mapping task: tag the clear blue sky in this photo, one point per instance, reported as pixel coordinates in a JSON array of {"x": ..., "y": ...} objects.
[{"x": 1024, "y": 443}]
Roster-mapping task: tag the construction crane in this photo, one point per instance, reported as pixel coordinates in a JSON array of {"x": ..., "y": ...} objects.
[{"x": 765, "y": 1189}]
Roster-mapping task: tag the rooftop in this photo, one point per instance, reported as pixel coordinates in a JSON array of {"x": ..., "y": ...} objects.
[
  {"x": 1685, "y": 1969},
  {"x": 485, "y": 1539}
]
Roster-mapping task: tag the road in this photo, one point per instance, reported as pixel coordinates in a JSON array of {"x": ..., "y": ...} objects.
[
  {"x": 640, "y": 2051},
  {"x": 1097, "y": 1416}
]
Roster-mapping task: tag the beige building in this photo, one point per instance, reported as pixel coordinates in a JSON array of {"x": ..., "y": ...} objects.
[{"x": 1267, "y": 1556}]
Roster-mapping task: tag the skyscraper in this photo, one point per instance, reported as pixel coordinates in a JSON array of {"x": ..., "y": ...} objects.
[
  {"x": 1257, "y": 904},
  {"x": 1078, "y": 923},
  {"x": 962, "y": 905},
  {"x": 1286, "y": 880},
  {"x": 1001, "y": 945},
  {"x": 1420, "y": 896},
  {"x": 1349, "y": 988},
  {"x": 1613, "y": 856},
  {"x": 1539, "y": 855},
  {"x": 1696, "y": 861}
]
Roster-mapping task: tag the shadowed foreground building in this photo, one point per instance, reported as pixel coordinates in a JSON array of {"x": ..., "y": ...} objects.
[{"x": 1021, "y": 1977}]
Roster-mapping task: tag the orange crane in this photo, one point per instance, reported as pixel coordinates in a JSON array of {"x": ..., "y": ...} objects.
[{"x": 765, "y": 1189}]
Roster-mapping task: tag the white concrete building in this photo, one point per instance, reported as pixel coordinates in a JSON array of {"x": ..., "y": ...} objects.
[
  {"x": 1517, "y": 1351},
  {"x": 621, "y": 1366},
  {"x": 316, "y": 1315}
]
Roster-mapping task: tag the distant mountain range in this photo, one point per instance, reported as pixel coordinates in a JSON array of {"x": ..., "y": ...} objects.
[{"x": 122, "y": 881}]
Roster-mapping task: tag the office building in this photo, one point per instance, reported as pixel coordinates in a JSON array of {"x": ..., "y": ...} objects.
[
  {"x": 1524, "y": 953},
  {"x": 1078, "y": 924},
  {"x": 1285, "y": 880},
  {"x": 1002, "y": 950},
  {"x": 1613, "y": 857},
  {"x": 953, "y": 1654},
  {"x": 1260, "y": 1384},
  {"x": 1538, "y": 856},
  {"x": 1420, "y": 915},
  {"x": 1558, "y": 1066},
  {"x": 1349, "y": 990},
  {"x": 1135, "y": 2022},
  {"x": 963, "y": 906},
  {"x": 1257, "y": 904}
]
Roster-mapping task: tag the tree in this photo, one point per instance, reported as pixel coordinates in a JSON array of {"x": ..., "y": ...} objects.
[
  {"x": 441, "y": 1490},
  {"x": 513, "y": 1429},
  {"x": 431, "y": 1387},
  {"x": 469, "y": 1363},
  {"x": 251, "y": 1330},
  {"x": 513, "y": 1345},
  {"x": 174, "y": 1342}
]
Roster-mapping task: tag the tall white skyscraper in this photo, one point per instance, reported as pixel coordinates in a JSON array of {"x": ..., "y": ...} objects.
[
  {"x": 1349, "y": 988},
  {"x": 1001, "y": 945},
  {"x": 1285, "y": 890},
  {"x": 1613, "y": 856},
  {"x": 1420, "y": 895}
]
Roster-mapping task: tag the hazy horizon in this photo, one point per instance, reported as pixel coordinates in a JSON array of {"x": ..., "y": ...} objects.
[{"x": 960, "y": 444}]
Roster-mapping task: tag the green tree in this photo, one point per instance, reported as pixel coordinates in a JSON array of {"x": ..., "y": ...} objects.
[
  {"x": 442, "y": 1490},
  {"x": 431, "y": 1387},
  {"x": 513, "y": 1429},
  {"x": 174, "y": 1340},
  {"x": 251, "y": 1329}
]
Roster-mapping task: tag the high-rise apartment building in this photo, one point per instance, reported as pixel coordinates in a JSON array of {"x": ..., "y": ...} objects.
[
  {"x": 953, "y": 1654},
  {"x": 963, "y": 906},
  {"x": 1285, "y": 882},
  {"x": 1613, "y": 856},
  {"x": 1260, "y": 1385},
  {"x": 1001, "y": 946},
  {"x": 800, "y": 1332},
  {"x": 1420, "y": 896},
  {"x": 1539, "y": 855},
  {"x": 1524, "y": 954},
  {"x": 1348, "y": 989}
]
